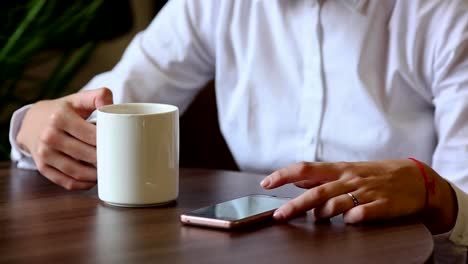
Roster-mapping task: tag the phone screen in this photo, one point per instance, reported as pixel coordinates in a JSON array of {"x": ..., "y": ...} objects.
[{"x": 241, "y": 208}]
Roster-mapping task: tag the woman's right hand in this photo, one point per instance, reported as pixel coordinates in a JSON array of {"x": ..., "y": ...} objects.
[{"x": 61, "y": 141}]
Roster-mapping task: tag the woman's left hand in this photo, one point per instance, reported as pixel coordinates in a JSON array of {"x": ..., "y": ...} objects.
[{"x": 364, "y": 191}]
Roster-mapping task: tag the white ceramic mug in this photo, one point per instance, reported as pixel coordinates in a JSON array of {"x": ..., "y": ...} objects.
[{"x": 138, "y": 154}]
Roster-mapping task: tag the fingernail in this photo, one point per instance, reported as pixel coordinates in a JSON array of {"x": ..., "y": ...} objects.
[
  {"x": 265, "y": 183},
  {"x": 278, "y": 215}
]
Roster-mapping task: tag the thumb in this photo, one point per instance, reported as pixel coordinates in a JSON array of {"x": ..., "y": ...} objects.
[{"x": 86, "y": 102}]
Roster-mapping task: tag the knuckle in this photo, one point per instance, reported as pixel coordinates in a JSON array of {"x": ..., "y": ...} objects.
[
  {"x": 49, "y": 136},
  {"x": 295, "y": 206},
  {"x": 312, "y": 196},
  {"x": 89, "y": 156},
  {"x": 68, "y": 169},
  {"x": 333, "y": 206},
  {"x": 71, "y": 171},
  {"x": 357, "y": 180},
  {"x": 104, "y": 92},
  {"x": 70, "y": 185},
  {"x": 56, "y": 118},
  {"x": 319, "y": 193},
  {"x": 389, "y": 204},
  {"x": 302, "y": 167},
  {"x": 42, "y": 153},
  {"x": 93, "y": 156},
  {"x": 41, "y": 167},
  {"x": 91, "y": 138},
  {"x": 361, "y": 214},
  {"x": 350, "y": 172},
  {"x": 344, "y": 165},
  {"x": 276, "y": 176},
  {"x": 352, "y": 175}
]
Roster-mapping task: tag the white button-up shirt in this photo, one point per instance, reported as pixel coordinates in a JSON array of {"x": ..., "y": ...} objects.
[{"x": 309, "y": 80}]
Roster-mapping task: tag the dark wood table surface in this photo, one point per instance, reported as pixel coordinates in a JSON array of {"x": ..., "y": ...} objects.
[{"x": 43, "y": 223}]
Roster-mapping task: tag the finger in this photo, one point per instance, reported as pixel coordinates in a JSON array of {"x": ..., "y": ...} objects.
[
  {"x": 307, "y": 184},
  {"x": 313, "y": 172},
  {"x": 61, "y": 179},
  {"x": 311, "y": 199},
  {"x": 82, "y": 130},
  {"x": 346, "y": 174},
  {"x": 335, "y": 206},
  {"x": 63, "y": 142},
  {"x": 376, "y": 210},
  {"x": 87, "y": 101},
  {"x": 342, "y": 203},
  {"x": 70, "y": 167},
  {"x": 73, "y": 124}
]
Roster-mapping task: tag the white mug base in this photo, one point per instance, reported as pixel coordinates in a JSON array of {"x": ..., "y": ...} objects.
[{"x": 139, "y": 205}]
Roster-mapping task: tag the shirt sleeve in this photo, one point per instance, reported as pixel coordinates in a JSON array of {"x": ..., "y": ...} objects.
[
  {"x": 459, "y": 234},
  {"x": 168, "y": 62},
  {"x": 450, "y": 93},
  {"x": 451, "y": 247},
  {"x": 450, "y": 100},
  {"x": 23, "y": 159}
]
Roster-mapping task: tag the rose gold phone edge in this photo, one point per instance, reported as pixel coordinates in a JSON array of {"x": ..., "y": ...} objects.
[{"x": 224, "y": 224}]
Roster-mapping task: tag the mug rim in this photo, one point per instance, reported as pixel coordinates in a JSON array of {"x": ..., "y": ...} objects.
[{"x": 110, "y": 109}]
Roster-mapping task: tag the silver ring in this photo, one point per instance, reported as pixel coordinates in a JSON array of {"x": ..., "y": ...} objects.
[{"x": 355, "y": 200}]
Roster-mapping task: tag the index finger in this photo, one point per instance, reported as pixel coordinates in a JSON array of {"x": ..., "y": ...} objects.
[
  {"x": 314, "y": 172},
  {"x": 79, "y": 128},
  {"x": 311, "y": 199}
]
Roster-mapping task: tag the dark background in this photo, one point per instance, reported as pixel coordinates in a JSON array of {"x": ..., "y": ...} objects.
[{"x": 201, "y": 142}]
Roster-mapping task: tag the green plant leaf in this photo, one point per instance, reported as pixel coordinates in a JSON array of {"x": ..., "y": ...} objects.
[
  {"x": 32, "y": 14},
  {"x": 30, "y": 30}
]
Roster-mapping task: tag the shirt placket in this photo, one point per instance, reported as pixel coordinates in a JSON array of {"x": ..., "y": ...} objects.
[{"x": 313, "y": 98}]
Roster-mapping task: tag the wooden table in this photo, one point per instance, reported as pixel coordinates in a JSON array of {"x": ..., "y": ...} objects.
[{"x": 42, "y": 223}]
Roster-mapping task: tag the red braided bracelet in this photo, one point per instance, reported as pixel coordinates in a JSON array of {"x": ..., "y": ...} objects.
[{"x": 430, "y": 185}]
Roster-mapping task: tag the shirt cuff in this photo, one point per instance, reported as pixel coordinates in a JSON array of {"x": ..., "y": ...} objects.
[
  {"x": 24, "y": 160},
  {"x": 459, "y": 234}
]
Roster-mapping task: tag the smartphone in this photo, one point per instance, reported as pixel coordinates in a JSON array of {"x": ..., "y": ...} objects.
[{"x": 237, "y": 213}]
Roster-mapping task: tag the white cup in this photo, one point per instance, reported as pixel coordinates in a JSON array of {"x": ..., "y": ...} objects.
[{"x": 138, "y": 154}]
